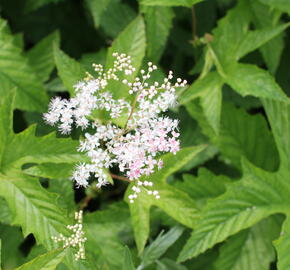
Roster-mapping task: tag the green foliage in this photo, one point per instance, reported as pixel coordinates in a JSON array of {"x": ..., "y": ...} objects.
[
  {"x": 224, "y": 197},
  {"x": 48, "y": 261}
]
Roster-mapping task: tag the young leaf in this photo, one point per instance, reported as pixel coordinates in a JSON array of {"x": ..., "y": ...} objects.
[
  {"x": 69, "y": 70},
  {"x": 128, "y": 263},
  {"x": 47, "y": 261},
  {"x": 159, "y": 246},
  {"x": 171, "y": 201},
  {"x": 41, "y": 56}
]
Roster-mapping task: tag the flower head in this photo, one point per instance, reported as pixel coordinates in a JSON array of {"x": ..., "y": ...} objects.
[{"x": 133, "y": 147}]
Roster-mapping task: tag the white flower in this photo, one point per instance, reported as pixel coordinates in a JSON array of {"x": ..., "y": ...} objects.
[
  {"x": 76, "y": 239},
  {"x": 134, "y": 148}
]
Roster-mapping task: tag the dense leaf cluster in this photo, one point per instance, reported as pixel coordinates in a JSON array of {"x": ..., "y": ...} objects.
[{"x": 225, "y": 196}]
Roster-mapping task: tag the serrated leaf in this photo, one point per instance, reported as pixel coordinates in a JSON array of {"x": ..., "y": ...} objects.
[
  {"x": 15, "y": 72},
  {"x": 232, "y": 27},
  {"x": 204, "y": 186},
  {"x": 131, "y": 41},
  {"x": 256, "y": 144},
  {"x": 32, "y": 207},
  {"x": 47, "y": 261},
  {"x": 69, "y": 70},
  {"x": 170, "y": 3},
  {"x": 250, "y": 80},
  {"x": 128, "y": 263},
  {"x": 250, "y": 249},
  {"x": 255, "y": 39},
  {"x": 264, "y": 16},
  {"x": 158, "y": 23},
  {"x": 171, "y": 201},
  {"x": 159, "y": 246},
  {"x": 257, "y": 195},
  {"x": 41, "y": 56}
]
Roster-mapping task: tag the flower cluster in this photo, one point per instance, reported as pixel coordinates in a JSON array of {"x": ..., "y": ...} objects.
[
  {"x": 77, "y": 238},
  {"x": 135, "y": 145}
]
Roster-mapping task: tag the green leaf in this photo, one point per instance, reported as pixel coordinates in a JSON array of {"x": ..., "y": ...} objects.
[
  {"x": 250, "y": 249},
  {"x": 168, "y": 264},
  {"x": 131, "y": 41},
  {"x": 206, "y": 185},
  {"x": 33, "y": 208},
  {"x": 51, "y": 170},
  {"x": 158, "y": 24},
  {"x": 257, "y": 195},
  {"x": 170, "y": 3},
  {"x": 211, "y": 102},
  {"x": 250, "y": 80},
  {"x": 282, "y": 246},
  {"x": 160, "y": 245},
  {"x": 233, "y": 27},
  {"x": 171, "y": 201},
  {"x": 47, "y": 261},
  {"x": 264, "y": 16},
  {"x": 278, "y": 114},
  {"x": 255, "y": 39},
  {"x": 11, "y": 238},
  {"x": 282, "y": 5},
  {"x": 201, "y": 87},
  {"x": 69, "y": 70},
  {"x": 5, "y": 214},
  {"x": 97, "y": 9},
  {"x": 128, "y": 263},
  {"x": 257, "y": 144},
  {"x": 116, "y": 18},
  {"x": 105, "y": 231},
  {"x": 15, "y": 72},
  {"x": 41, "y": 56},
  {"x": 31, "y": 5}
]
